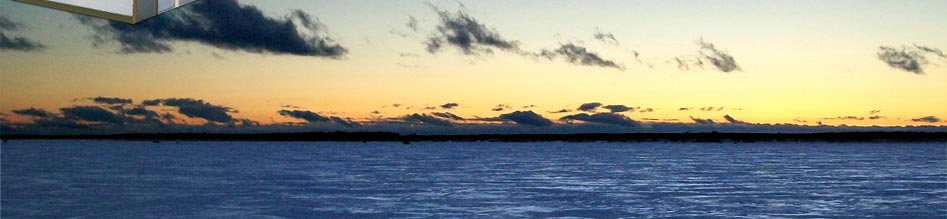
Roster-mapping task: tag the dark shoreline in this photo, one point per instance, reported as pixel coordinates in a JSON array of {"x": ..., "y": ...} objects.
[{"x": 621, "y": 137}]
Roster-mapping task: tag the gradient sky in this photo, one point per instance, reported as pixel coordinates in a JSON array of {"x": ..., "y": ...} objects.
[{"x": 801, "y": 62}]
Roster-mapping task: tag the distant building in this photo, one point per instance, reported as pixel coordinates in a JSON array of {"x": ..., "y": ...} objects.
[{"x": 129, "y": 11}]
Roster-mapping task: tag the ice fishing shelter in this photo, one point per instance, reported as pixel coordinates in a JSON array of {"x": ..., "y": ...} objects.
[{"x": 129, "y": 11}]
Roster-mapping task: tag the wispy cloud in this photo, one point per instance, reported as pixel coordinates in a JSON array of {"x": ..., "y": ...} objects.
[
  {"x": 605, "y": 37},
  {"x": 845, "y": 118},
  {"x": 223, "y": 24},
  {"x": 8, "y": 25},
  {"x": 703, "y": 121},
  {"x": 908, "y": 58},
  {"x": 927, "y": 119},
  {"x": 461, "y": 31},
  {"x": 16, "y": 43},
  {"x": 314, "y": 118},
  {"x": 603, "y": 118},
  {"x": 579, "y": 55},
  {"x": 425, "y": 119},
  {"x": 34, "y": 112},
  {"x": 561, "y": 111},
  {"x": 719, "y": 59},
  {"x": 412, "y": 23},
  {"x": 448, "y": 115},
  {"x": 111, "y": 100},
  {"x": 501, "y": 107},
  {"x": 305, "y": 115},
  {"x": 732, "y": 120}
]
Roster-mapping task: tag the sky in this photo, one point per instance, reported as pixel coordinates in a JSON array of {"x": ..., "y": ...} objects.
[{"x": 477, "y": 66}]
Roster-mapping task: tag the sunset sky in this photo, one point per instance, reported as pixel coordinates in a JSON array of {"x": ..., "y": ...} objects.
[{"x": 858, "y": 63}]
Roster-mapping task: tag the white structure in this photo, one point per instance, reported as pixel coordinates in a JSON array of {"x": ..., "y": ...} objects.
[{"x": 129, "y": 11}]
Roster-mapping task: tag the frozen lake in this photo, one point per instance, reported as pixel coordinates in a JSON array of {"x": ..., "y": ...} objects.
[{"x": 117, "y": 179}]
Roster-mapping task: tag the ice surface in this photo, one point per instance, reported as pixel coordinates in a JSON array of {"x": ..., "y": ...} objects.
[{"x": 117, "y": 179}]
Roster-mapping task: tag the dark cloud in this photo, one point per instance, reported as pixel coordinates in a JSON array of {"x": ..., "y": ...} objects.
[
  {"x": 502, "y": 107},
  {"x": 8, "y": 25},
  {"x": 450, "y": 105},
  {"x": 308, "y": 116},
  {"x": 91, "y": 114},
  {"x": 731, "y": 120},
  {"x": 589, "y": 107},
  {"x": 646, "y": 110},
  {"x": 224, "y": 24},
  {"x": 561, "y": 111},
  {"x": 927, "y": 119},
  {"x": 290, "y": 106},
  {"x": 910, "y": 59},
  {"x": 426, "y": 119},
  {"x": 708, "y": 53},
  {"x": 579, "y": 55},
  {"x": 194, "y": 108},
  {"x": 111, "y": 100},
  {"x": 15, "y": 43},
  {"x": 465, "y": 33},
  {"x": 874, "y": 112},
  {"x": 722, "y": 60},
  {"x": 703, "y": 121},
  {"x": 710, "y": 108},
  {"x": 529, "y": 118},
  {"x": 876, "y": 117},
  {"x": 684, "y": 109},
  {"x": 34, "y": 112},
  {"x": 903, "y": 59},
  {"x": 60, "y": 123},
  {"x": 245, "y": 122},
  {"x": 605, "y": 37},
  {"x": 344, "y": 122},
  {"x": 312, "y": 117},
  {"x": 141, "y": 111},
  {"x": 603, "y": 118},
  {"x": 149, "y": 117},
  {"x": 618, "y": 108},
  {"x": 845, "y": 118},
  {"x": 19, "y": 44},
  {"x": 447, "y": 115}
]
